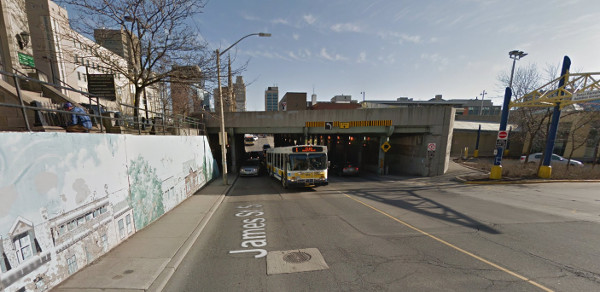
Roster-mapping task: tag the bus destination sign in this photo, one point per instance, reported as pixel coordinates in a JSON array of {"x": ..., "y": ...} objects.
[{"x": 307, "y": 149}]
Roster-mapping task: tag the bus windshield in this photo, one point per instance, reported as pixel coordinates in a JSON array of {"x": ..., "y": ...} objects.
[{"x": 308, "y": 162}]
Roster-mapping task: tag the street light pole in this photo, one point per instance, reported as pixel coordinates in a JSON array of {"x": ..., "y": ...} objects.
[
  {"x": 515, "y": 55},
  {"x": 496, "y": 172},
  {"x": 222, "y": 133}
]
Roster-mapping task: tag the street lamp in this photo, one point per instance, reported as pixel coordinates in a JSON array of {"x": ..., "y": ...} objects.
[
  {"x": 222, "y": 131},
  {"x": 496, "y": 172},
  {"x": 515, "y": 55}
]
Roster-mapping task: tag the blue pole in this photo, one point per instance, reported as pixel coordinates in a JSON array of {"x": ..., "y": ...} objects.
[
  {"x": 496, "y": 172},
  {"x": 478, "y": 135},
  {"x": 503, "y": 123},
  {"x": 555, "y": 117}
]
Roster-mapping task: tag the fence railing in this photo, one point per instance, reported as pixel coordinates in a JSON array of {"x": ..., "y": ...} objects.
[{"x": 104, "y": 119}]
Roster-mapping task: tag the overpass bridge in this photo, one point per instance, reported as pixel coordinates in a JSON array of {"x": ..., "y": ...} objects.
[{"x": 359, "y": 135}]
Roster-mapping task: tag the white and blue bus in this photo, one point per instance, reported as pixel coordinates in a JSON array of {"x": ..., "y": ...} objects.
[{"x": 298, "y": 166}]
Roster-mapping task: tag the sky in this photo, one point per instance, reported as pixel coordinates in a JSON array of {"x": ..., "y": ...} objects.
[{"x": 397, "y": 48}]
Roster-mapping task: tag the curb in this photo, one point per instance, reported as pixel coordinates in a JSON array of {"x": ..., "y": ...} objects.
[
  {"x": 519, "y": 181},
  {"x": 163, "y": 278}
]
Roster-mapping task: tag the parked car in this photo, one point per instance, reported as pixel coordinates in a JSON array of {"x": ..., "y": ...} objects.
[
  {"x": 266, "y": 146},
  {"x": 346, "y": 169},
  {"x": 248, "y": 141},
  {"x": 556, "y": 159},
  {"x": 250, "y": 167}
]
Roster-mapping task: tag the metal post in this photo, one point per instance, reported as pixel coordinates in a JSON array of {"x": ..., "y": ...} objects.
[
  {"x": 512, "y": 72},
  {"x": 545, "y": 170},
  {"x": 476, "y": 152},
  {"x": 100, "y": 113},
  {"x": 481, "y": 107},
  {"x": 222, "y": 131},
  {"x": 496, "y": 172},
  {"x": 21, "y": 101}
]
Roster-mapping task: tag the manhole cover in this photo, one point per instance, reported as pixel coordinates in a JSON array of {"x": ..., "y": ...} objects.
[{"x": 296, "y": 257}]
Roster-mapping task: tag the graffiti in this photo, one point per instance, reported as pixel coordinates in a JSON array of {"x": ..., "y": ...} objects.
[
  {"x": 67, "y": 199},
  {"x": 145, "y": 196}
]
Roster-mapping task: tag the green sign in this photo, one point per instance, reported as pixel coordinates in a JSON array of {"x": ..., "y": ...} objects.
[{"x": 26, "y": 60}]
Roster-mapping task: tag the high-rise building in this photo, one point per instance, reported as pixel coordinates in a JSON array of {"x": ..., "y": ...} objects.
[
  {"x": 271, "y": 99},
  {"x": 239, "y": 94}
]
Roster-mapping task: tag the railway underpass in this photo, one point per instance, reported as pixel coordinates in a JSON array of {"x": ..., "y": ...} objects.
[{"x": 402, "y": 141}]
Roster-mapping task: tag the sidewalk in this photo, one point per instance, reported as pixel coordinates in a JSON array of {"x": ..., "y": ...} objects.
[{"x": 147, "y": 260}]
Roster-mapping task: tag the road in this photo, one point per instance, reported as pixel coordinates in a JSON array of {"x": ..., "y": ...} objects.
[{"x": 398, "y": 234}]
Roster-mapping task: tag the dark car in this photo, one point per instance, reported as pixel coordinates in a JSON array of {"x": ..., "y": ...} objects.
[
  {"x": 250, "y": 167},
  {"x": 347, "y": 168}
]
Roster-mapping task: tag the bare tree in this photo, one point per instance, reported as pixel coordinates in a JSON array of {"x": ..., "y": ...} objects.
[
  {"x": 578, "y": 133},
  {"x": 158, "y": 35}
]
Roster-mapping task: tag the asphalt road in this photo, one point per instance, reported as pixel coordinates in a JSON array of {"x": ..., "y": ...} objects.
[{"x": 398, "y": 234}]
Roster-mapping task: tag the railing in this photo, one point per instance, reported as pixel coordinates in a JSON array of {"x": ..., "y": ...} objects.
[{"x": 50, "y": 114}]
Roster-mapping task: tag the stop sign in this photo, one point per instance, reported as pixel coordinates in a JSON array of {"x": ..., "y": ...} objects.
[{"x": 502, "y": 134}]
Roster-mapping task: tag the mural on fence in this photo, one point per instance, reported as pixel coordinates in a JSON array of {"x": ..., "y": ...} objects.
[{"x": 66, "y": 199}]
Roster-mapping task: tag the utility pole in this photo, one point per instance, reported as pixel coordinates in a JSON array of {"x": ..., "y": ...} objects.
[{"x": 482, "y": 97}]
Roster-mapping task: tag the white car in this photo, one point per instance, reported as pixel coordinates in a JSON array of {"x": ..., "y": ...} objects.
[{"x": 556, "y": 159}]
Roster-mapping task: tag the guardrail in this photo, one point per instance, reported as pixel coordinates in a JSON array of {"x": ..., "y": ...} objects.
[{"x": 51, "y": 114}]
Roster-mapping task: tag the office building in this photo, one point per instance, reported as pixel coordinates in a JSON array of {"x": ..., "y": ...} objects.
[{"x": 271, "y": 99}]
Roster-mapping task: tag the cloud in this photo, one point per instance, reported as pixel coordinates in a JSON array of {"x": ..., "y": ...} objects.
[
  {"x": 296, "y": 36},
  {"x": 402, "y": 37},
  {"x": 436, "y": 59},
  {"x": 279, "y": 21},
  {"x": 301, "y": 54},
  {"x": 345, "y": 27},
  {"x": 310, "y": 19},
  {"x": 249, "y": 17},
  {"x": 325, "y": 55},
  {"x": 362, "y": 57}
]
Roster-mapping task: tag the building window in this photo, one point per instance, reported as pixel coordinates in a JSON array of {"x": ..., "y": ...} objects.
[
  {"x": 128, "y": 223},
  {"x": 104, "y": 240},
  {"x": 72, "y": 264},
  {"x": 78, "y": 75},
  {"x": 121, "y": 229},
  {"x": 23, "y": 247}
]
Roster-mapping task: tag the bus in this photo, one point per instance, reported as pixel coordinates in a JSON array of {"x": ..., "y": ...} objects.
[{"x": 298, "y": 166}]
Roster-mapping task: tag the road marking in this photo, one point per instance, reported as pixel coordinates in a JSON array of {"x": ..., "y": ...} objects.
[
  {"x": 453, "y": 246},
  {"x": 254, "y": 232}
]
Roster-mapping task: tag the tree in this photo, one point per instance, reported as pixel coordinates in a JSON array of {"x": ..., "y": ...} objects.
[
  {"x": 158, "y": 38},
  {"x": 578, "y": 133}
]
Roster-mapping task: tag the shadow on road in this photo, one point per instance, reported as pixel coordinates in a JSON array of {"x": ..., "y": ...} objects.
[{"x": 407, "y": 198}]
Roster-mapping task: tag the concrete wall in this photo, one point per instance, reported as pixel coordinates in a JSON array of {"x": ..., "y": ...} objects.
[
  {"x": 68, "y": 198},
  {"x": 412, "y": 130}
]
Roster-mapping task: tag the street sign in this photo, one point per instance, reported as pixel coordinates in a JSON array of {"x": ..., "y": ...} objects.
[
  {"x": 102, "y": 85},
  {"x": 586, "y": 95},
  {"x": 328, "y": 125},
  {"x": 344, "y": 125},
  {"x": 26, "y": 60},
  {"x": 502, "y": 135},
  {"x": 431, "y": 147},
  {"x": 386, "y": 146},
  {"x": 501, "y": 143}
]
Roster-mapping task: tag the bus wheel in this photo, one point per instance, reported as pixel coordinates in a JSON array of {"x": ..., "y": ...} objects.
[{"x": 283, "y": 184}]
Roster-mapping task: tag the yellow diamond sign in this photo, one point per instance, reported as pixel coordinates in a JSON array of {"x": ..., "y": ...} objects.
[{"x": 386, "y": 146}]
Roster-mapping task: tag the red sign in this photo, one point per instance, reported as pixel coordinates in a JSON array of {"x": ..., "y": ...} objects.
[{"x": 502, "y": 134}]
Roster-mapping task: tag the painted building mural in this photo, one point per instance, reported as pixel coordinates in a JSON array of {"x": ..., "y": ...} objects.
[{"x": 67, "y": 198}]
